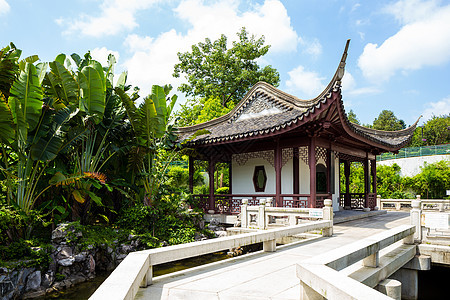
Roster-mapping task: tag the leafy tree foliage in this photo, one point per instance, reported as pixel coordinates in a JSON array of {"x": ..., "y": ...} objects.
[
  {"x": 436, "y": 131},
  {"x": 352, "y": 117},
  {"x": 388, "y": 121},
  {"x": 214, "y": 71},
  {"x": 433, "y": 181}
]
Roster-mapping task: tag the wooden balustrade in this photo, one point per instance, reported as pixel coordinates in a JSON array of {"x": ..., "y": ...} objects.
[{"x": 231, "y": 203}]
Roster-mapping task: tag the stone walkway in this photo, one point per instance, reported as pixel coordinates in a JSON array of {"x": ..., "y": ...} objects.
[{"x": 263, "y": 275}]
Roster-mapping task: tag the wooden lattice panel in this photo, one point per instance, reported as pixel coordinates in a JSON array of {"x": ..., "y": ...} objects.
[
  {"x": 321, "y": 153},
  {"x": 286, "y": 155},
  {"x": 303, "y": 154},
  {"x": 242, "y": 158}
]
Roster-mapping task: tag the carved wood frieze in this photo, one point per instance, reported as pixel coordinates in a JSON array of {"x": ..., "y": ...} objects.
[{"x": 242, "y": 158}]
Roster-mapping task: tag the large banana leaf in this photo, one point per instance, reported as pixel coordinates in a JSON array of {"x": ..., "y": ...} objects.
[
  {"x": 159, "y": 114},
  {"x": 25, "y": 101},
  {"x": 6, "y": 121},
  {"x": 93, "y": 95},
  {"x": 64, "y": 84},
  {"x": 98, "y": 66},
  {"x": 132, "y": 112},
  {"x": 149, "y": 122},
  {"x": 9, "y": 68},
  {"x": 48, "y": 146}
]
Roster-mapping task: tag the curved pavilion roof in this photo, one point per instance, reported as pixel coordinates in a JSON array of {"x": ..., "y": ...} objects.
[{"x": 267, "y": 111}]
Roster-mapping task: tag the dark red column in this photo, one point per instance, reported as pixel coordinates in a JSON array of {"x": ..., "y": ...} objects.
[
  {"x": 373, "y": 168},
  {"x": 312, "y": 171},
  {"x": 191, "y": 174},
  {"x": 347, "y": 198},
  {"x": 211, "y": 168},
  {"x": 295, "y": 168},
  {"x": 230, "y": 178},
  {"x": 278, "y": 175},
  {"x": 329, "y": 171},
  {"x": 366, "y": 182}
]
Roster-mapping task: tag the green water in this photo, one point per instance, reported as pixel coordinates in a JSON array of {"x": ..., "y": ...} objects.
[{"x": 86, "y": 289}]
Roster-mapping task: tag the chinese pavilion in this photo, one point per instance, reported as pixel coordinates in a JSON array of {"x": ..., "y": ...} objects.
[{"x": 279, "y": 146}]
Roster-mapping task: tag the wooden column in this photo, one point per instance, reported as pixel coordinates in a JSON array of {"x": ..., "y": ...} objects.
[
  {"x": 230, "y": 177},
  {"x": 329, "y": 171},
  {"x": 366, "y": 182},
  {"x": 296, "y": 174},
  {"x": 373, "y": 169},
  {"x": 347, "y": 198},
  {"x": 312, "y": 171},
  {"x": 211, "y": 169},
  {"x": 277, "y": 161},
  {"x": 191, "y": 174}
]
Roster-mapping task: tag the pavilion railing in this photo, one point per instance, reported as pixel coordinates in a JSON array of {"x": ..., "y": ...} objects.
[
  {"x": 231, "y": 203},
  {"x": 358, "y": 200}
]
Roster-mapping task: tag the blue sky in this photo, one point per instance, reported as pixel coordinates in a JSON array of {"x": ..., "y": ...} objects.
[{"x": 399, "y": 56}]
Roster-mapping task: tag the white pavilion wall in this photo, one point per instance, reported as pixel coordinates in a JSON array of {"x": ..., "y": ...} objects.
[{"x": 242, "y": 177}]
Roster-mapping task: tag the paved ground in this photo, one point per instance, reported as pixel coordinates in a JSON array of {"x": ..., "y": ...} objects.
[{"x": 263, "y": 275}]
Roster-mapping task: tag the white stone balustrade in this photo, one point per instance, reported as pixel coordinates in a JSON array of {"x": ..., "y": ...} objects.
[
  {"x": 136, "y": 269},
  {"x": 440, "y": 205},
  {"x": 320, "y": 277},
  {"x": 260, "y": 217}
]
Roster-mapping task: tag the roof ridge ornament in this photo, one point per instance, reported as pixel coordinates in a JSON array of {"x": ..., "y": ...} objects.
[{"x": 341, "y": 69}]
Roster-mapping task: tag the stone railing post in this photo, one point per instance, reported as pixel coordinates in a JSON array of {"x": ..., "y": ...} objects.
[
  {"x": 378, "y": 203},
  {"x": 262, "y": 214},
  {"x": 328, "y": 215},
  {"x": 415, "y": 217},
  {"x": 244, "y": 223},
  {"x": 269, "y": 202}
]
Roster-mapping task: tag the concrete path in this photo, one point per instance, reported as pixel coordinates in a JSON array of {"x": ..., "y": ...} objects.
[{"x": 263, "y": 275}]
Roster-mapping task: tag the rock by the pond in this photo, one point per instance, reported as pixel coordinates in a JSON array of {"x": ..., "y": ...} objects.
[
  {"x": 66, "y": 261},
  {"x": 34, "y": 281}
]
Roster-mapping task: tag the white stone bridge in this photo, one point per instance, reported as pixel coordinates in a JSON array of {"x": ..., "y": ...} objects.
[{"x": 367, "y": 250}]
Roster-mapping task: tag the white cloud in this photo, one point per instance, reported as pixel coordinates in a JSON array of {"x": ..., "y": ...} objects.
[
  {"x": 409, "y": 11},
  {"x": 153, "y": 58},
  {"x": 305, "y": 84},
  {"x": 424, "y": 40},
  {"x": 4, "y": 7},
  {"x": 348, "y": 82},
  {"x": 269, "y": 19},
  {"x": 101, "y": 55},
  {"x": 349, "y": 87},
  {"x": 313, "y": 47},
  {"x": 437, "y": 109},
  {"x": 115, "y": 16}
]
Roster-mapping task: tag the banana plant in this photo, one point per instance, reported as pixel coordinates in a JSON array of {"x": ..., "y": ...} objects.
[
  {"x": 90, "y": 88},
  {"x": 150, "y": 124},
  {"x": 32, "y": 129}
]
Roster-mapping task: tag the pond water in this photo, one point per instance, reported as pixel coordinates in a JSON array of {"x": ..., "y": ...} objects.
[
  {"x": 86, "y": 289},
  {"x": 433, "y": 284}
]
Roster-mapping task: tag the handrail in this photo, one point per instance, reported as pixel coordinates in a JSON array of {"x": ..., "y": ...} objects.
[
  {"x": 426, "y": 204},
  {"x": 319, "y": 276},
  {"x": 136, "y": 269}
]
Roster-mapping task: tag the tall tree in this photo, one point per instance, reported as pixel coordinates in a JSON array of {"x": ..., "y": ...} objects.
[
  {"x": 436, "y": 131},
  {"x": 352, "y": 117},
  {"x": 388, "y": 121},
  {"x": 214, "y": 71}
]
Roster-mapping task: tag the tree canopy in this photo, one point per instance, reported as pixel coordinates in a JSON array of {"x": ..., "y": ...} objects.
[
  {"x": 213, "y": 70},
  {"x": 388, "y": 121},
  {"x": 436, "y": 131},
  {"x": 352, "y": 117}
]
